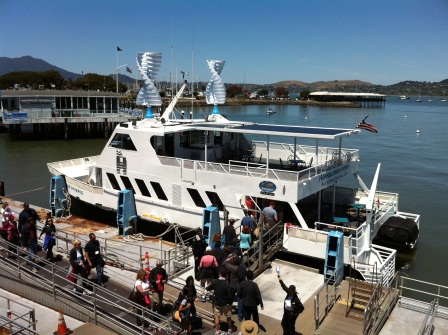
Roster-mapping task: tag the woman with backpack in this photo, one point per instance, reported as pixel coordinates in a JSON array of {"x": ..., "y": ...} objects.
[
  {"x": 207, "y": 267},
  {"x": 182, "y": 314}
]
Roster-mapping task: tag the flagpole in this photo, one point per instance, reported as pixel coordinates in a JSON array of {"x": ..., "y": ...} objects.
[{"x": 116, "y": 70}]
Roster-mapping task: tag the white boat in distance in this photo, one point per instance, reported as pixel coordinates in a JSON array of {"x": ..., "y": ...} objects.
[
  {"x": 270, "y": 111},
  {"x": 178, "y": 166}
]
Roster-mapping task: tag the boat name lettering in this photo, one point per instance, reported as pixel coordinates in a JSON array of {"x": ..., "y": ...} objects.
[
  {"x": 267, "y": 186},
  {"x": 334, "y": 175},
  {"x": 267, "y": 193},
  {"x": 76, "y": 190}
]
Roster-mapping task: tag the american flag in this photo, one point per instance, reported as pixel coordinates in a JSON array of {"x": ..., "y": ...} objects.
[
  {"x": 128, "y": 70},
  {"x": 367, "y": 126}
]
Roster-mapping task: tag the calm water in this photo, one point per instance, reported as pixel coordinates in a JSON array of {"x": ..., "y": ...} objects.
[{"x": 414, "y": 165}]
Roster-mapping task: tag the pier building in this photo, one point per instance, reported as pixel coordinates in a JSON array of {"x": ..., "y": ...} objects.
[
  {"x": 51, "y": 111},
  {"x": 362, "y": 99}
]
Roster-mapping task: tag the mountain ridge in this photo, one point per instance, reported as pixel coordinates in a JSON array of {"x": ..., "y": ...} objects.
[{"x": 408, "y": 87}]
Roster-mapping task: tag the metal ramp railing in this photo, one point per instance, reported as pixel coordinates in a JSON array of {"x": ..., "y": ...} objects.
[
  {"x": 264, "y": 248},
  {"x": 51, "y": 287}
]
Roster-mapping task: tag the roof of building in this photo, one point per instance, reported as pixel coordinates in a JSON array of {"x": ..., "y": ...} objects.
[
  {"x": 54, "y": 93},
  {"x": 356, "y": 94}
]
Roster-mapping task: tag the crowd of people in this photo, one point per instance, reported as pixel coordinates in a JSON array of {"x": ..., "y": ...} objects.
[
  {"x": 221, "y": 266},
  {"x": 22, "y": 233}
]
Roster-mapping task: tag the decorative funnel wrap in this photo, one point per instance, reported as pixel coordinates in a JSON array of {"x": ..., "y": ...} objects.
[
  {"x": 215, "y": 91},
  {"x": 148, "y": 64}
]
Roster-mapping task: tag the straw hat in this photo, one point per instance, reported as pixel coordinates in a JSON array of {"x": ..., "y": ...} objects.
[{"x": 249, "y": 327}]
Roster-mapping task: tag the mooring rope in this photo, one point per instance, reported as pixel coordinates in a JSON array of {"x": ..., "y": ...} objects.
[{"x": 36, "y": 189}]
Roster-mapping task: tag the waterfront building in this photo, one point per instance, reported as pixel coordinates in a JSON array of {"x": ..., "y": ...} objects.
[{"x": 44, "y": 109}]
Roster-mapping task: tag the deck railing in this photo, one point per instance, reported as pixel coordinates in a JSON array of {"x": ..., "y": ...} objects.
[{"x": 255, "y": 170}]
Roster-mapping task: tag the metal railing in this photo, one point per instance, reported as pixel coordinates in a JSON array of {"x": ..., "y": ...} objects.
[
  {"x": 355, "y": 242},
  {"x": 131, "y": 256},
  {"x": 99, "y": 304},
  {"x": 417, "y": 295},
  {"x": 261, "y": 170},
  {"x": 427, "y": 326},
  {"x": 267, "y": 242},
  {"x": 17, "y": 322},
  {"x": 324, "y": 300}
]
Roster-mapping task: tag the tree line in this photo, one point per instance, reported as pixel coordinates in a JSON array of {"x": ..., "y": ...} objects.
[{"x": 53, "y": 80}]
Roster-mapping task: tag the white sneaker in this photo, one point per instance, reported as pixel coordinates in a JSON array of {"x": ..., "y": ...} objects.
[
  {"x": 85, "y": 292},
  {"x": 34, "y": 270}
]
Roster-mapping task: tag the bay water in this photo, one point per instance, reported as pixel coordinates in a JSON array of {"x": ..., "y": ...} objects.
[{"x": 411, "y": 145}]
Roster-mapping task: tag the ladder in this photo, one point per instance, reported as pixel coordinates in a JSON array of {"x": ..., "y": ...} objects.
[{"x": 360, "y": 292}]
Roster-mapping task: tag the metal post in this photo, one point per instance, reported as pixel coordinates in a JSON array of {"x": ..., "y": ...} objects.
[
  {"x": 160, "y": 246},
  {"x": 260, "y": 246},
  {"x": 52, "y": 281},
  {"x": 141, "y": 256},
  {"x": 33, "y": 318},
  {"x": 94, "y": 304},
  {"x": 143, "y": 321},
  {"x": 175, "y": 245}
]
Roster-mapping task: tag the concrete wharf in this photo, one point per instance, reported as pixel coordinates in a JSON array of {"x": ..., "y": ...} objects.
[{"x": 120, "y": 276}]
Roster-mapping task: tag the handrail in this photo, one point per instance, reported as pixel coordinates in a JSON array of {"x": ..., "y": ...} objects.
[
  {"x": 330, "y": 297},
  {"x": 255, "y": 170},
  {"x": 93, "y": 302},
  {"x": 10, "y": 322},
  {"x": 428, "y": 327},
  {"x": 409, "y": 287}
]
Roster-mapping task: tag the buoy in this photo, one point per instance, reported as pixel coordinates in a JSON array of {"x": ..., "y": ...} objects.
[
  {"x": 405, "y": 116},
  {"x": 418, "y": 131}
]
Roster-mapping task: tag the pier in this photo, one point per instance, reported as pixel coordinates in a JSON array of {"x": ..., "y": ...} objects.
[
  {"x": 66, "y": 114},
  {"x": 361, "y": 99}
]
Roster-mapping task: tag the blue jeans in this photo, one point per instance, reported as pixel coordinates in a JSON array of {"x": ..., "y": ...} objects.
[
  {"x": 240, "y": 307},
  {"x": 99, "y": 273},
  {"x": 32, "y": 255}
]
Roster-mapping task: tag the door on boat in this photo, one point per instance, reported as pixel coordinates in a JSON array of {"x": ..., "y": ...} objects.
[{"x": 169, "y": 145}]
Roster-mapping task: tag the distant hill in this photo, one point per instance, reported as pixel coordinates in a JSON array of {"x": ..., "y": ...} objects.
[{"x": 28, "y": 63}]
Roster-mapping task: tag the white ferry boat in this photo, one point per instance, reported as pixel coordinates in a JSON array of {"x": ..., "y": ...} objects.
[{"x": 176, "y": 166}]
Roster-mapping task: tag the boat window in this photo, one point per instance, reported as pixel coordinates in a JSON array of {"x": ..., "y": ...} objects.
[
  {"x": 159, "y": 191},
  {"x": 127, "y": 183},
  {"x": 185, "y": 139},
  {"x": 122, "y": 141},
  {"x": 113, "y": 181},
  {"x": 217, "y": 139},
  {"x": 142, "y": 187},
  {"x": 194, "y": 194},
  {"x": 198, "y": 137},
  {"x": 215, "y": 200}
]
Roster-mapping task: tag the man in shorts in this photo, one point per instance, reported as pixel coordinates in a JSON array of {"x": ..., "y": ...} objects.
[{"x": 223, "y": 299}]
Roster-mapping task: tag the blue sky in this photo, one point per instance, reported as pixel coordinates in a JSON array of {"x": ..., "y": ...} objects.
[{"x": 262, "y": 42}]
